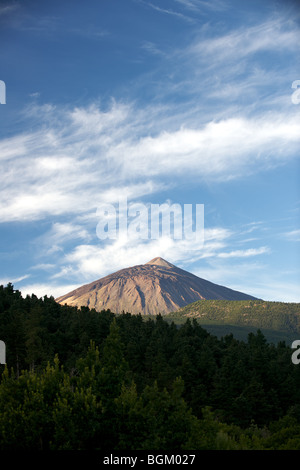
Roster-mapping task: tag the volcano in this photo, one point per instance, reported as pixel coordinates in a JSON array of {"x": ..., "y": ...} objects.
[{"x": 152, "y": 288}]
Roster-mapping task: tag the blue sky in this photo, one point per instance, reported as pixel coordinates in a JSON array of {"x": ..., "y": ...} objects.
[{"x": 161, "y": 101}]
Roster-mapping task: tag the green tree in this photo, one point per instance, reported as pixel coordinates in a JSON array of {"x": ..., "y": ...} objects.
[{"x": 76, "y": 416}]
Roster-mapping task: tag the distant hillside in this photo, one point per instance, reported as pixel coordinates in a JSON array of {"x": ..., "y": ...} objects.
[{"x": 277, "y": 320}]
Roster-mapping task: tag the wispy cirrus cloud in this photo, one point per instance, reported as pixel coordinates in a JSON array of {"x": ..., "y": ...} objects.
[
  {"x": 60, "y": 233},
  {"x": 214, "y": 118},
  {"x": 226, "y": 72},
  {"x": 59, "y": 167},
  {"x": 49, "y": 289},
  {"x": 6, "y": 280},
  {"x": 166, "y": 11},
  {"x": 244, "y": 253},
  {"x": 274, "y": 35},
  {"x": 8, "y": 8},
  {"x": 90, "y": 261},
  {"x": 252, "y": 273},
  {"x": 202, "y": 5},
  {"x": 292, "y": 235},
  {"x": 17, "y": 15}
]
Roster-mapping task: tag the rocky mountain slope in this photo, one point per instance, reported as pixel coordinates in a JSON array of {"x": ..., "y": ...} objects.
[{"x": 155, "y": 287}]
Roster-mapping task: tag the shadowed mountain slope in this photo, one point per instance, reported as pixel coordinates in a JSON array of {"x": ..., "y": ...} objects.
[{"x": 155, "y": 287}]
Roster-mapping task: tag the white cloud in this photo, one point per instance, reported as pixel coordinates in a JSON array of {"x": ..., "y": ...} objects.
[
  {"x": 61, "y": 232},
  {"x": 5, "y": 281},
  {"x": 219, "y": 150},
  {"x": 70, "y": 160},
  {"x": 245, "y": 253},
  {"x": 272, "y": 35},
  {"x": 166, "y": 11},
  {"x": 66, "y": 168},
  {"x": 293, "y": 235},
  {"x": 44, "y": 266},
  {"x": 40, "y": 290},
  {"x": 91, "y": 261},
  {"x": 198, "y": 5},
  {"x": 66, "y": 161},
  {"x": 239, "y": 67},
  {"x": 254, "y": 278},
  {"x": 86, "y": 263},
  {"x": 7, "y": 9},
  {"x": 278, "y": 290}
]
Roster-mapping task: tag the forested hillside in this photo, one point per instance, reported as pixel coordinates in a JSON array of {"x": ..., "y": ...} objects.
[
  {"x": 79, "y": 379},
  {"x": 278, "y": 320}
]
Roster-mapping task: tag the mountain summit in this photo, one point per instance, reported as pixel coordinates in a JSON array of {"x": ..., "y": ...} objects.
[
  {"x": 160, "y": 262},
  {"x": 155, "y": 287}
]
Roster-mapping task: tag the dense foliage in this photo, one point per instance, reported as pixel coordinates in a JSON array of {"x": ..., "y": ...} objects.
[
  {"x": 278, "y": 320},
  {"x": 78, "y": 379}
]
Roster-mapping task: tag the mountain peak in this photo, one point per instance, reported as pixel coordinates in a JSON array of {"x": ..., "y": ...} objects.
[
  {"x": 161, "y": 262},
  {"x": 152, "y": 288}
]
